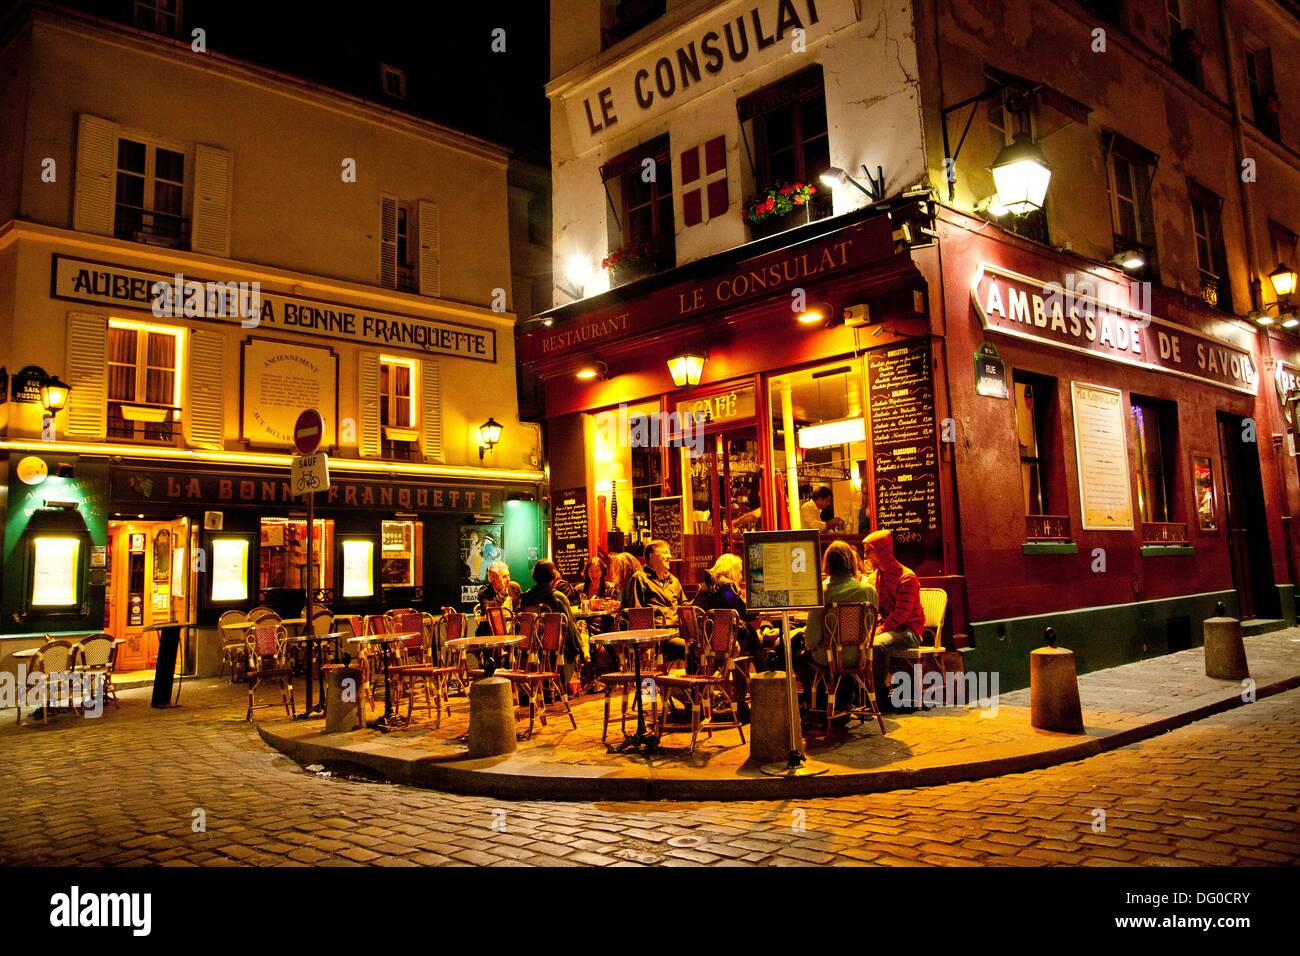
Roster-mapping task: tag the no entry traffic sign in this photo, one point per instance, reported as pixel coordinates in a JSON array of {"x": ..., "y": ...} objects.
[{"x": 307, "y": 431}]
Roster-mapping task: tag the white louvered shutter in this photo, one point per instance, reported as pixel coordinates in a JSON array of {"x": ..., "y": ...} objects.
[
  {"x": 87, "y": 408},
  {"x": 388, "y": 241},
  {"x": 213, "y": 175},
  {"x": 430, "y": 267},
  {"x": 204, "y": 411},
  {"x": 369, "y": 437},
  {"x": 431, "y": 391},
  {"x": 92, "y": 207}
]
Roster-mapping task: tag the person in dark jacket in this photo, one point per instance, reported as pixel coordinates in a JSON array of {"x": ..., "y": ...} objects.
[
  {"x": 547, "y": 595},
  {"x": 499, "y": 590}
]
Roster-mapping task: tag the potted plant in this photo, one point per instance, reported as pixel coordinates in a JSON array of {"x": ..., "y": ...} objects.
[
  {"x": 630, "y": 262},
  {"x": 781, "y": 207}
]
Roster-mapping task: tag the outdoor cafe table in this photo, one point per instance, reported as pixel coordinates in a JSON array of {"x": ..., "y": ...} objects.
[
  {"x": 385, "y": 641},
  {"x": 490, "y": 643},
  {"x": 311, "y": 640},
  {"x": 640, "y": 741}
]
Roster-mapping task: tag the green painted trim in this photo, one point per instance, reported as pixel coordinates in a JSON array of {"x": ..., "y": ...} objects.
[
  {"x": 1050, "y": 547},
  {"x": 1166, "y": 550}
]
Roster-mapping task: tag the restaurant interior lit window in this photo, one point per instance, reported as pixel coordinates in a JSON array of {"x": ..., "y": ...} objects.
[
  {"x": 282, "y": 560},
  {"x": 401, "y": 554}
]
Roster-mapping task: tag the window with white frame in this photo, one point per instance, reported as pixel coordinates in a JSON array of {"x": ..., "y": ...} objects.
[
  {"x": 159, "y": 16},
  {"x": 397, "y": 383},
  {"x": 1130, "y": 169},
  {"x": 144, "y": 380},
  {"x": 393, "y": 80},
  {"x": 149, "y": 202}
]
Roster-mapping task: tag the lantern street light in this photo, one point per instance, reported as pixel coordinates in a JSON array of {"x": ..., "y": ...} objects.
[
  {"x": 1283, "y": 279},
  {"x": 489, "y": 433},
  {"x": 54, "y": 395},
  {"x": 1021, "y": 174},
  {"x": 687, "y": 369}
]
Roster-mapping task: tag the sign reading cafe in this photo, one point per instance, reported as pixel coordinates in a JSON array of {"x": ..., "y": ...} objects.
[
  {"x": 1075, "y": 316},
  {"x": 80, "y": 280}
]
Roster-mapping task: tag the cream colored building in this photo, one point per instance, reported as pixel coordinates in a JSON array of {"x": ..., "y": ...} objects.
[{"x": 376, "y": 247}]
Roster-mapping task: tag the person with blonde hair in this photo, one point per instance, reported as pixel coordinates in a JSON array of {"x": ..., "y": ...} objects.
[
  {"x": 623, "y": 568},
  {"x": 724, "y": 587}
]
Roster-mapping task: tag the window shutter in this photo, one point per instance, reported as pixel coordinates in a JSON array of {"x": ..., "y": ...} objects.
[
  {"x": 431, "y": 390},
  {"x": 87, "y": 409},
  {"x": 92, "y": 208},
  {"x": 369, "y": 437},
  {"x": 430, "y": 267},
  {"x": 204, "y": 411},
  {"x": 388, "y": 241},
  {"x": 213, "y": 172}
]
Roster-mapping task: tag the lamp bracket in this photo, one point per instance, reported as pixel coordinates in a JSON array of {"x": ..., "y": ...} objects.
[
  {"x": 1024, "y": 96},
  {"x": 875, "y": 187}
]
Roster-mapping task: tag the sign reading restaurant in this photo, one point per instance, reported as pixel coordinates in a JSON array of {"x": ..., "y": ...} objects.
[
  {"x": 1073, "y": 316},
  {"x": 99, "y": 283}
]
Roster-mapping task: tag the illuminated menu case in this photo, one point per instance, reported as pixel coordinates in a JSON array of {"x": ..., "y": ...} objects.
[{"x": 56, "y": 556}]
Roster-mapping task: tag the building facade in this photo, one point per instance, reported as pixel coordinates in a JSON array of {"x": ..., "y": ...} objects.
[
  {"x": 201, "y": 264},
  {"x": 1072, "y": 413}
]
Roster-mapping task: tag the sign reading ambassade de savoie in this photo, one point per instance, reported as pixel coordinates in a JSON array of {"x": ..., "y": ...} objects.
[
  {"x": 1073, "y": 315},
  {"x": 100, "y": 283}
]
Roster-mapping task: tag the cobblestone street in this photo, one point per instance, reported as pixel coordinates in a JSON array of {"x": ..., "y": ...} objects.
[{"x": 127, "y": 788}]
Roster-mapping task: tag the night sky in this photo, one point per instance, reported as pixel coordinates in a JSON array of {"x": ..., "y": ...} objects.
[{"x": 453, "y": 76}]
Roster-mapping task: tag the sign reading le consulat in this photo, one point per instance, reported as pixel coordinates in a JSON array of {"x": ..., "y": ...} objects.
[{"x": 80, "y": 280}]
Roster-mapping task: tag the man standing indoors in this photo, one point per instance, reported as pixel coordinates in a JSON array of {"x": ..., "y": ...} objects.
[{"x": 902, "y": 619}]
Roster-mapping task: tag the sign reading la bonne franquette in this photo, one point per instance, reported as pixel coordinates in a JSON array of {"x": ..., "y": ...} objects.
[
  {"x": 1073, "y": 316},
  {"x": 81, "y": 280}
]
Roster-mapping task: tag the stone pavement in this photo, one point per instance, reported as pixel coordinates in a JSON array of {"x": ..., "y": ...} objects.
[
  {"x": 940, "y": 745},
  {"x": 126, "y": 789}
]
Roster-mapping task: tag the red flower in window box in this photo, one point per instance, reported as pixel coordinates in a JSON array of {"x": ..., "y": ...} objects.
[{"x": 778, "y": 200}]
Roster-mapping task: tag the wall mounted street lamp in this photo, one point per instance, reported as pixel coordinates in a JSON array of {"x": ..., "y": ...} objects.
[
  {"x": 687, "y": 369},
  {"x": 836, "y": 178},
  {"x": 577, "y": 271},
  {"x": 1130, "y": 260},
  {"x": 489, "y": 433},
  {"x": 1286, "y": 319},
  {"x": 1283, "y": 279},
  {"x": 591, "y": 372},
  {"x": 54, "y": 395},
  {"x": 1021, "y": 174}
]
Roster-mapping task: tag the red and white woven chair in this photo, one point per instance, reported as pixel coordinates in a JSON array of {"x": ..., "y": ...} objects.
[
  {"x": 541, "y": 666},
  {"x": 266, "y": 661},
  {"x": 847, "y": 627},
  {"x": 715, "y": 647}
]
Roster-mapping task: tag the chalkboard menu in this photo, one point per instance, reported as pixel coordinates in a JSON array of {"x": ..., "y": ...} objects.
[
  {"x": 569, "y": 532},
  {"x": 666, "y": 522},
  {"x": 904, "y": 455}
]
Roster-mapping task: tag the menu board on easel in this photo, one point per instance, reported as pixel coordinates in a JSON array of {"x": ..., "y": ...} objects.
[
  {"x": 666, "y": 522},
  {"x": 569, "y": 532},
  {"x": 905, "y": 457}
]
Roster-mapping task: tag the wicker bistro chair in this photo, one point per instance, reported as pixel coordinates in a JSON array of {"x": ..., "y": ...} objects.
[
  {"x": 934, "y": 601},
  {"x": 500, "y": 619},
  {"x": 419, "y": 662},
  {"x": 266, "y": 657},
  {"x": 263, "y": 613},
  {"x": 452, "y": 625},
  {"x": 54, "y": 657},
  {"x": 96, "y": 658},
  {"x": 541, "y": 667},
  {"x": 715, "y": 647},
  {"x": 847, "y": 626},
  {"x": 370, "y": 656},
  {"x": 232, "y": 643},
  {"x": 624, "y": 677}
]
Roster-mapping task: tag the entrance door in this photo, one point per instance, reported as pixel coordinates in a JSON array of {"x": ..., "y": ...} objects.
[
  {"x": 149, "y": 584},
  {"x": 724, "y": 485},
  {"x": 1248, "y": 547}
]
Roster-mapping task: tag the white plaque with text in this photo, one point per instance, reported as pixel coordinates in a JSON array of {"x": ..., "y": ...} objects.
[{"x": 1104, "y": 483}]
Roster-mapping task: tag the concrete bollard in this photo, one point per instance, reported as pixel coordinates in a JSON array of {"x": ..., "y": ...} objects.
[
  {"x": 342, "y": 715},
  {"x": 769, "y": 717},
  {"x": 1225, "y": 654},
  {"x": 491, "y": 718},
  {"x": 1054, "y": 689}
]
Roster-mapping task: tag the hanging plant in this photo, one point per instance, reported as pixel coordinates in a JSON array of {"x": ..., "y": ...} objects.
[
  {"x": 778, "y": 201},
  {"x": 631, "y": 255}
]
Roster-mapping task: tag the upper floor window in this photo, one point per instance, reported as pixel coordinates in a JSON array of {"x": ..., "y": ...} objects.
[
  {"x": 409, "y": 245},
  {"x": 150, "y": 198},
  {"x": 622, "y": 18},
  {"x": 393, "y": 81},
  {"x": 1265, "y": 105},
  {"x": 405, "y": 259},
  {"x": 642, "y": 232},
  {"x": 1211, "y": 256},
  {"x": 1185, "y": 48},
  {"x": 1155, "y": 443},
  {"x": 159, "y": 16},
  {"x": 397, "y": 406},
  {"x": 791, "y": 136},
  {"x": 1130, "y": 169},
  {"x": 1108, "y": 10},
  {"x": 144, "y": 380},
  {"x": 1282, "y": 242}
]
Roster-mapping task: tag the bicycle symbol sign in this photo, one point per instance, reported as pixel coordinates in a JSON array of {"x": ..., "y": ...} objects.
[{"x": 309, "y": 473}]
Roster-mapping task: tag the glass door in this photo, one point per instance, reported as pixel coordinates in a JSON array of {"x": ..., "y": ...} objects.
[{"x": 723, "y": 498}]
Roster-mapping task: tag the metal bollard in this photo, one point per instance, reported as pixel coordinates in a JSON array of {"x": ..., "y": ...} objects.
[
  {"x": 1225, "y": 653},
  {"x": 1054, "y": 688}
]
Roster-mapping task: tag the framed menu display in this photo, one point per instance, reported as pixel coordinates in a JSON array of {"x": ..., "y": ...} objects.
[
  {"x": 56, "y": 562},
  {"x": 783, "y": 570},
  {"x": 358, "y": 568},
  {"x": 229, "y": 569},
  {"x": 1104, "y": 490}
]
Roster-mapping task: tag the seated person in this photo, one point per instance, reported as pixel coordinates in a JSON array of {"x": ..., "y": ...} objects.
[
  {"x": 902, "y": 618},
  {"x": 657, "y": 587},
  {"x": 499, "y": 590},
  {"x": 840, "y": 565},
  {"x": 546, "y": 594},
  {"x": 723, "y": 587}
]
